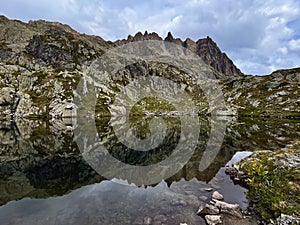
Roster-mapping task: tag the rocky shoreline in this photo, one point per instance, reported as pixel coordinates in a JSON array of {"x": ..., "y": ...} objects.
[
  {"x": 273, "y": 180},
  {"x": 217, "y": 211}
]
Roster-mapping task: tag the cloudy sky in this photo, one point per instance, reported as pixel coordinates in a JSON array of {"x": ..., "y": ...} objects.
[{"x": 260, "y": 36}]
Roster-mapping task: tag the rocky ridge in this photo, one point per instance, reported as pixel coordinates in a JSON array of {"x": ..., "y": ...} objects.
[{"x": 206, "y": 48}]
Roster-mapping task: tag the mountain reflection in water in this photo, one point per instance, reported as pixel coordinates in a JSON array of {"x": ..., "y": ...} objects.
[{"x": 42, "y": 167}]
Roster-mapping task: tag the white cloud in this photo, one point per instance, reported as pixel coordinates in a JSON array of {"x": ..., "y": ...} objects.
[
  {"x": 294, "y": 45},
  {"x": 282, "y": 50}
]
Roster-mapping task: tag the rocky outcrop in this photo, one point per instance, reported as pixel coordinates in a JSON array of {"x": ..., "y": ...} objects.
[
  {"x": 208, "y": 50},
  {"x": 170, "y": 38},
  {"x": 218, "y": 211}
]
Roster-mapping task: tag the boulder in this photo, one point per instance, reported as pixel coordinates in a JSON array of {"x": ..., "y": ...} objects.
[
  {"x": 213, "y": 219},
  {"x": 231, "y": 209}
]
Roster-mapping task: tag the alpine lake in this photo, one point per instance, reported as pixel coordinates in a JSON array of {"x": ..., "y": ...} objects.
[{"x": 50, "y": 175}]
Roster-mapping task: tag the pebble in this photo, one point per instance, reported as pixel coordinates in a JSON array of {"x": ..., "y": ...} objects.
[
  {"x": 147, "y": 220},
  {"x": 208, "y": 189},
  {"x": 217, "y": 195}
]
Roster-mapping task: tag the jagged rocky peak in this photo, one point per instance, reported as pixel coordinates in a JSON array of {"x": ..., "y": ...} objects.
[
  {"x": 146, "y": 36},
  {"x": 170, "y": 38},
  {"x": 139, "y": 37},
  {"x": 190, "y": 44},
  {"x": 211, "y": 54},
  {"x": 206, "y": 48},
  {"x": 54, "y": 40}
]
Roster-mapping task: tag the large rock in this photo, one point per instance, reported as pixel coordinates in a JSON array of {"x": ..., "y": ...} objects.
[
  {"x": 231, "y": 209},
  {"x": 213, "y": 219}
]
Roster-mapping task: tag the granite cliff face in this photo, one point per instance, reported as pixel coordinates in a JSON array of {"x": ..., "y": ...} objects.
[{"x": 42, "y": 62}]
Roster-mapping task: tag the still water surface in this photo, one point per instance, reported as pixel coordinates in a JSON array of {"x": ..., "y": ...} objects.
[{"x": 44, "y": 178}]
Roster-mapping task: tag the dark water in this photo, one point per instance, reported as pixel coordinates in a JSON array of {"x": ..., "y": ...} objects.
[{"x": 47, "y": 177}]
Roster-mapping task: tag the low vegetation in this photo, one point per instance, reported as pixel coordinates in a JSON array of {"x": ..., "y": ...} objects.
[{"x": 274, "y": 181}]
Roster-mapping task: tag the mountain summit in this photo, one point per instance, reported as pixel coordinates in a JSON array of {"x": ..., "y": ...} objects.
[{"x": 206, "y": 48}]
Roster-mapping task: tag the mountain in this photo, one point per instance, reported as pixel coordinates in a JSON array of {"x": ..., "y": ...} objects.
[
  {"x": 58, "y": 45},
  {"x": 41, "y": 64},
  {"x": 206, "y": 48}
]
